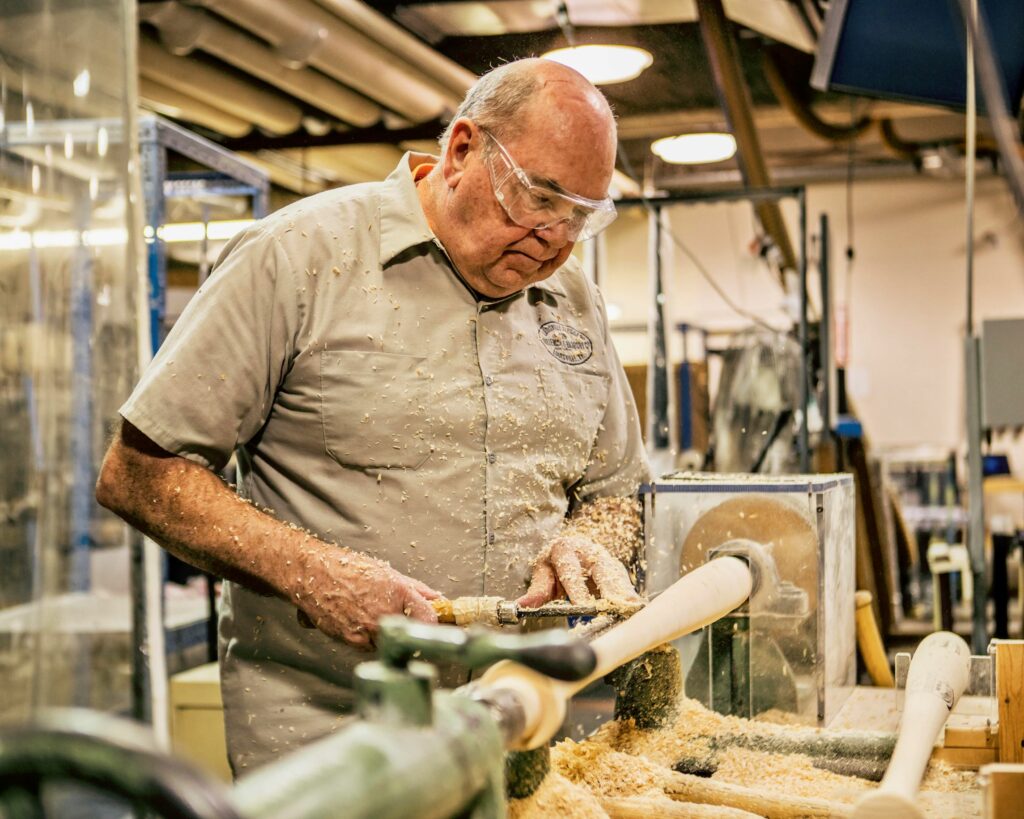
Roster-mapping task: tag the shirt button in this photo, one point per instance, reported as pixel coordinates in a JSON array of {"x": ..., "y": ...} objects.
[
  {"x": 490, "y": 537},
  {"x": 488, "y": 381},
  {"x": 491, "y": 457}
]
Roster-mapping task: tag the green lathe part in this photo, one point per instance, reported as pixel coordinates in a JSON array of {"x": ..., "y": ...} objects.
[{"x": 454, "y": 768}]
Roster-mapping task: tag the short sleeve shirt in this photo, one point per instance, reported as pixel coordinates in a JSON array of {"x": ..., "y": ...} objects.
[{"x": 373, "y": 400}]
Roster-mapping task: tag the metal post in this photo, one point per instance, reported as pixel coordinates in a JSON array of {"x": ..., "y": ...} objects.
[
  {"x": 657, "y": 374},
  {"x": 975, "y": 499},
  {"x": 803, "y": 444},
  {"x": 825, "y": 331},
  {"x": 972, "y": 376},
  {"x": 153, "y": 158}
]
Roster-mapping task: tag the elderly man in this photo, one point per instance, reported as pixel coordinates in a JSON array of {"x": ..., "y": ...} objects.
[{"x": 421, "y": 390}]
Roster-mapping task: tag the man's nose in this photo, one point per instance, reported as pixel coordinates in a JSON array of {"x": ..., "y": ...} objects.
[{"x": 556, "y": 235}]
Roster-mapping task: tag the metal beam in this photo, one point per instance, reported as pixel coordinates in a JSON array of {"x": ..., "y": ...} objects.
[{"x": 736, "y": 103}]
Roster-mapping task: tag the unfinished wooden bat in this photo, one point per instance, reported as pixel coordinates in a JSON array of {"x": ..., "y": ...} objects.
[{"x": 937, "y": 677}]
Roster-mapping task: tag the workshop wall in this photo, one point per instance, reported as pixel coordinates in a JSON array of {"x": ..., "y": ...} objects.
[{"x": 907, "y": 292}]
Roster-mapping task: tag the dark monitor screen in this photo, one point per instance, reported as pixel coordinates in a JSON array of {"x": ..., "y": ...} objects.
[{"x": 915, "y": 50}]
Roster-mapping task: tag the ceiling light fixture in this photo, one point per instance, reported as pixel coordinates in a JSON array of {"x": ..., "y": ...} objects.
[
  {"x": 603, "y": 64},
  {"x": 695, "y": 149}
]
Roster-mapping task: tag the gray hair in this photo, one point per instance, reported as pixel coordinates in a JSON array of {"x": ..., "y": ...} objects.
[{"x": 494, "y": 101}]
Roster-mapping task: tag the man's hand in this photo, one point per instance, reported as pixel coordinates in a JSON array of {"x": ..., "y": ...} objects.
[
  {"x": 580, "y": 567},
  {"x": 344, "y": 595}
]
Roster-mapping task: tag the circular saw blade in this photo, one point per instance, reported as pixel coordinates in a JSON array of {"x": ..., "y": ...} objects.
[{"x": 778, "y": 524}]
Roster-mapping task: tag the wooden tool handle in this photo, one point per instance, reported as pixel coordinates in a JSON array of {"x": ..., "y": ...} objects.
[
  {"x": 700, "y": 597},
  {"x": 443, "y": 609},
  {"x": 937, "y": 677}
]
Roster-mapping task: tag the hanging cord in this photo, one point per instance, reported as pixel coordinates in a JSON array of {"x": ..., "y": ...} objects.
[
  {"x": 649, "y": 206},
  {"x": 969, "y": 160}
]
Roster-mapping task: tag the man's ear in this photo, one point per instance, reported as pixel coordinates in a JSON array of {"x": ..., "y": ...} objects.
[{"x": 464, "y": 135}]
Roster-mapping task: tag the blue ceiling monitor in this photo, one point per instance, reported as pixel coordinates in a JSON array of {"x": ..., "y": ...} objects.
[{"x": 915, "y": 50}]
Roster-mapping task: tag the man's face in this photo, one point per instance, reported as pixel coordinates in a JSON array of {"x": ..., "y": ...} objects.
[{"x": 496, "y": 256}]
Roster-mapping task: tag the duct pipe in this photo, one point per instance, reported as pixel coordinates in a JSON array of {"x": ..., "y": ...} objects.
[
  {"x": 238, "y": 97},
  {"x": 289, "y": 174},
  {"x": 735, "y": 100},
  {"x": 183, "y": 29},
  {"x": 353, "y": 163},
  {"x": 801, "y": 112},
  {"x": 373, "y": 24},
  {"x": 173, "y": 103},
  {"x": 303, "y": 33}
]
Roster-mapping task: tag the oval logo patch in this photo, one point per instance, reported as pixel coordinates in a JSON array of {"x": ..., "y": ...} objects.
[{"x": 565, "y": 343}]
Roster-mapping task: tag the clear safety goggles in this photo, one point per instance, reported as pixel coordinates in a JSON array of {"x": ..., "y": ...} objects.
[{"x": 536, "y": 203}]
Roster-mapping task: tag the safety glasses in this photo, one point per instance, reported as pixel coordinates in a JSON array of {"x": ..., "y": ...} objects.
[{"x": 536, "y": 203}]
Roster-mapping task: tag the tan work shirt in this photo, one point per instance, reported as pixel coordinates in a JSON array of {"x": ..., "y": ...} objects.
[{"x": 376, "y": 403}]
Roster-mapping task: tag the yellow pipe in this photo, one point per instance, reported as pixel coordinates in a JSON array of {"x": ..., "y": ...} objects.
[{"x": 869, "y": 640}]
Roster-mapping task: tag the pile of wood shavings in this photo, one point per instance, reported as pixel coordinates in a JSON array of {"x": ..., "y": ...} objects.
[
  {"x": 622, "y": 762},
  {"x": 557, "y": 796}
]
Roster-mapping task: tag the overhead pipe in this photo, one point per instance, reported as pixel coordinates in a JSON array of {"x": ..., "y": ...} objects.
[
  {"x": 373, "y": 24},
  {"x": 172, "y": 103},
  {"x": 912, "y": 149},
  {"x": 374, "y": 135},
  {"x": 184, "y": 29},
  {"x": 238, "y": 97},
  {"x": 304, "y": 34},
  {"x": 287, "y": 173},
  {"x": 801, "y": 112},
  {"x": 734, "y": 97},
  {"x": 898, "y": 147},
  {"x": 354, "y": 163}
]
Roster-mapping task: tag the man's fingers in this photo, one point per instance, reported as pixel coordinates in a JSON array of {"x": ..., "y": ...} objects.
[
  {"x": 424, "y": 590},
  {"x": 612, "y": 579},
  {"x": 571, "y": 576},
  {"x": 417, "y": 608},
  {"x": 358, "y": 637},
  {"x": 542, "y": 587}
]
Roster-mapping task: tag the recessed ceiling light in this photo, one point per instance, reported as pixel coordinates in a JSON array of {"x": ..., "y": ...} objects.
[
  {"x": 695, "y": 149},
  {"x": 603, "y": 64}
]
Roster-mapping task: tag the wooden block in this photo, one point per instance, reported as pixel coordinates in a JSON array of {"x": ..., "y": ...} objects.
[
  {"x": 1010, "y": 697},
  {"x": 1003, "y": 790},
  {"x": 969, "y": 737},
  {"x": 969, "y": 758}
]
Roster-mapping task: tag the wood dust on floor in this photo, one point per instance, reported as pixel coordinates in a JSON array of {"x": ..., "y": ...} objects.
[{"x": 622, "y": 772}]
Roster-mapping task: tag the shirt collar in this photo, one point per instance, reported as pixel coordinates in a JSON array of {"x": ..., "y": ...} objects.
[{"x": 403, "y": 223}]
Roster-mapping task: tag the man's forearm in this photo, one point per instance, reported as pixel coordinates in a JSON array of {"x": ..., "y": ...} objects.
[
  {"x": 197, "y": 517},
  {"x": 193, "y": 514}
]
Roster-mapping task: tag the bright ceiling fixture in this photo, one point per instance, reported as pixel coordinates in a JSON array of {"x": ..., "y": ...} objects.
[
  {"x": 603, "y": 64},
  {"x": 695, "y": 149}
]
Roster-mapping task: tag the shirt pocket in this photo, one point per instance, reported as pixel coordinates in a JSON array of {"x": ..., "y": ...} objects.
[
  {"x": 374, "y": 409},
  {"x": 574, "y": 404}
]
